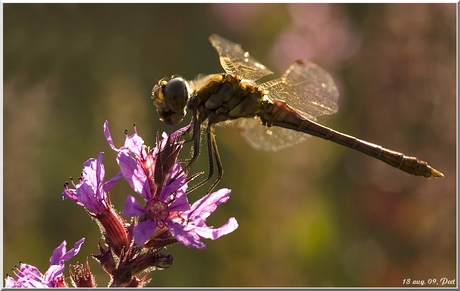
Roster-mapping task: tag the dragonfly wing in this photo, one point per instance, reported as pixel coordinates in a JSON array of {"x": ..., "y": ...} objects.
[
  {"x": 307, "y": 88},
  {"x": 268, "y": 138},
  {"x": 237, "y": 62}
]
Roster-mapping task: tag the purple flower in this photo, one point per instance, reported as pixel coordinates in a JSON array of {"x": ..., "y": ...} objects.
[
  {"x": 91, "y": 192},
  {"x": 191, "y": 225},
  {"x": 29, "y": 276},
  {"x": 160, "y": 180},
  {"x": 139, "y": 168}
]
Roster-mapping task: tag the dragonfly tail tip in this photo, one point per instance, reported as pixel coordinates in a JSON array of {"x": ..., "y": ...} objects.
[{"x": 435, "y": 173}]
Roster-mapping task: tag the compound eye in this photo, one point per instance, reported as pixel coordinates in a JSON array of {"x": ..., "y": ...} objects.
[{"x": 176, "y": 94}]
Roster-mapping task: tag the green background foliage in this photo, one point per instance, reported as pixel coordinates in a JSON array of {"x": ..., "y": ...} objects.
[{"x": 316, "y": 214}]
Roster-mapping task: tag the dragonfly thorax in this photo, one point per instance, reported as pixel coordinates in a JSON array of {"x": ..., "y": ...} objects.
[
  {"x": 170, "y": 98},
  {"x": 223, "y": 97}
]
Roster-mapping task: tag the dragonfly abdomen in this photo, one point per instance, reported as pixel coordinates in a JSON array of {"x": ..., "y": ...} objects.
[{"x": 280, "y": 114}]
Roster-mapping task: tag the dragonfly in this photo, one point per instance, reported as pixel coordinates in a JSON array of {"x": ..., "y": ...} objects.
[{"x": 272, "y": 115}]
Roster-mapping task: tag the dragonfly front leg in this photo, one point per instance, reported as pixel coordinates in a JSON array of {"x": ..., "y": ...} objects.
[
  {"x": 196, "y": 144},
  {"x": 196, "y": 150}
]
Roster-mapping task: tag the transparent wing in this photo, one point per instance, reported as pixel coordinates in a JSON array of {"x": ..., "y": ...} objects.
[
  {"x": 237, "y": 62},
  {"x": 307, "y": 88},
  {"x": 268, "y": 138}
]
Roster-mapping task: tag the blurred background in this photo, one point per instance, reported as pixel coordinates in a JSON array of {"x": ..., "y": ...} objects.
[{"x": 317, "y": 214}]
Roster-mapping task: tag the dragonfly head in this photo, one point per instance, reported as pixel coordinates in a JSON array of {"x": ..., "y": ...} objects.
[{"x": 171, "y": 96}]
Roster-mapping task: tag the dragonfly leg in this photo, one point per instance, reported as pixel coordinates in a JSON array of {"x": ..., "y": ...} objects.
[
  {"x": 196, "y": 148},
  {"x": 220, "y": 169},
  {"x": 196, "y": 145},
  {"x": 213, "y": 154}
]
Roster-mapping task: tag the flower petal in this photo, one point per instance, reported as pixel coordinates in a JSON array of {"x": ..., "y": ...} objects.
[
  {"x": 135, "y": 144},
  {"x": 100, "y": 171},
  {"x": 215, "y": 233},
  {"x": 132, "y": 207},
  {"x": 87, "y": 197},
  {"x": 30, "y": 277},
  {"x": 89, "y": 172},
  {"x": 71, "y": 194},
  {"x": 144, "y": 230},
  {"x": 185, "y": 236},
  {"x": 179, "y": 188},
  {"x": 11, "y": 283},
  {"x": 52, "y": 273},
  {"x": 110, "y": 183},
  {"x": 208, "y": 203},
  {"x": 134, "y": 174},
  {"x": 60, "y": 255},
  {"x": 108, "y": 136}
]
